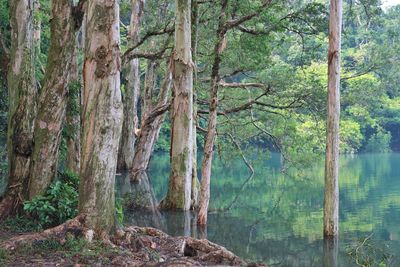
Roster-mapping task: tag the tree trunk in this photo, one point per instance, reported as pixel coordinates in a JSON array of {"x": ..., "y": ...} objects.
[
  {"x": 151, "y": 125},
  {"x": 53, "y": 99},
  {"x": 73, "y": 120},
  {"x": 212, "y": 121},
  {"x": 22, "y": 105},
  {"x": 180, "y": 183},
  {"x": 195, "y": 181},
  {"x": 331, "y": 200},
  {"x": 102, "y": 115},
  {"x": 132, "y": 92}
]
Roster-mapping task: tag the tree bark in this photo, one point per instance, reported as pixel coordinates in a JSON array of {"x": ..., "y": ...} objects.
[
  {"x": 212, "y": 121},
  {"x": 73, "y": 119},
  {"x": 102, "y": 115},
  {"x": 132, "y": 92},
  {"x": 180, "y": 182},
  {"x": 150, "y": 129},
  {"x": 195, "y": 181},
  {"x": 53, "y": 99},
  {"x": 22, "y": 105},
  {"x": 331, "y": 199}
]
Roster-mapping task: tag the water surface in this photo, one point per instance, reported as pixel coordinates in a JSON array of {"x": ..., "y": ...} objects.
[{"x": 277, "y": 217}]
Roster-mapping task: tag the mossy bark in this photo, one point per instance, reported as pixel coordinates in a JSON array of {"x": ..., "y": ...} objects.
[
  {"x": 53, "y": 99},
  {"x": 180, "y": 182},
  {"x": 22, "y": 105},
  {"x": 102, "y": 115}
]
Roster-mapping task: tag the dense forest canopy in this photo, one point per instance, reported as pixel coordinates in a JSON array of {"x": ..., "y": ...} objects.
[{"x": 291, "y": 61}]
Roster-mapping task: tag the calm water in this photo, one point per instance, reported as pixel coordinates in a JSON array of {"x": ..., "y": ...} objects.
[{"x": 277, "y": 218}]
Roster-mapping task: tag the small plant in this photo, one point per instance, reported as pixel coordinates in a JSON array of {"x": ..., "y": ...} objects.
[
  {"x": 119, "y": 210},
  {"x": 58, "y": 204},
  {"x": 3, "y": 256}
]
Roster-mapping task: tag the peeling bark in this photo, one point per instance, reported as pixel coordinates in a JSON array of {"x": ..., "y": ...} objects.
[
  {"x": 53, "y": 99},
  {"x": 331, "y": 199},
  {"x": 132, "y": 92},
  {"x": 102, "y": 115},
  {"x": 22, "y": 105},
  {"x": 180, "y": 182}
]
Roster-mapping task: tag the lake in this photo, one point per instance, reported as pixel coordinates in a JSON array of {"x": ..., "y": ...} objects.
[{"x": 277, "y": 216}]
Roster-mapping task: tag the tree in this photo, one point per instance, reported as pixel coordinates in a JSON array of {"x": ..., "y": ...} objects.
[
  {"x": 331, "y": 199},
  {"x": 102, "y": 115},
  {"x": 22, "y": 105},
  {"x": 53, "y": 97},
  {"x": 73, "y": 116},
  {"x": 180, "y": 182},
  {"x": 131, "y": 96}
]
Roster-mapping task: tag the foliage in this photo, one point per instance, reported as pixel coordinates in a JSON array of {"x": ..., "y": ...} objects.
[
  {"x": 58, "y": 204},
  {"x": 119, "y": 210}
]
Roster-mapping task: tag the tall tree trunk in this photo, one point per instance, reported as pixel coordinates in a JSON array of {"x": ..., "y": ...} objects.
[
  {"x": 53, "y": 99},
  {"x": 102, "y": 115},
  {"x": 180, "y": 182},
  {"x": 195, "y": 181},
  {"x": 22, "y": 105},
  {"x": 331, "y": 200},
  {"x": 212, "y": 120},
  {"x": 73, "y": 119},
  {"x": 151, "y": 125},
  {"x": 130, "y": 99}
]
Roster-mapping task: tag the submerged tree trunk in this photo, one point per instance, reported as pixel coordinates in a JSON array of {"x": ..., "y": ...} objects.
[
  {"x": 131, "y": 96},
  {"x": 151, "y": 124},
  {"x": 331, "y": 200},
  {"x": 212, "y": 121},
  {"x": 22, "y": 105},
  {"x": 73, "y": 119},
  {"x": 102, "y": 115},
  {"x": 180, "y": 183},
  {"x": 53, "y": 99}
]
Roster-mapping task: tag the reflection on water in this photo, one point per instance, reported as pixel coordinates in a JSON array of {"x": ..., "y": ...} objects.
[{"x": 277, "y": 218}]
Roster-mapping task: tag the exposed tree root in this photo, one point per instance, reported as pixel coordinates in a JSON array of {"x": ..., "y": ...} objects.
[
  {"x": 147, "y": 246},
  {"x": 74, "y": 226}
]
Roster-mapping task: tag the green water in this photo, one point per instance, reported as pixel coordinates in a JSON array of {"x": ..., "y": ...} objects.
[{"x": 277, "y": 217}]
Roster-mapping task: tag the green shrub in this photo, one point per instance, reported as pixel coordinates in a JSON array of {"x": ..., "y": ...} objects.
[{"x": 58, "y": 204}]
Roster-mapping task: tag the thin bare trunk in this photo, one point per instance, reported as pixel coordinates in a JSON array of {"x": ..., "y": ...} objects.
[
  {"x": 212, "y": 120},
  {"x": 331, "y": 200},
  {"x": 132, "y": 92},
  {"x": 180, "y": 182},
  {"x": 195, "y": 181},
  {"x": 22, "y": 105},
  {"x": 53, "y": 99},
  {"x": 102, "y": 115}
]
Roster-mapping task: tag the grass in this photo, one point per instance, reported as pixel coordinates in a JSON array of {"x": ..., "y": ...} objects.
[
  {"x": 20, "y": 224},
  {"x": 72, "y": 249}
]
